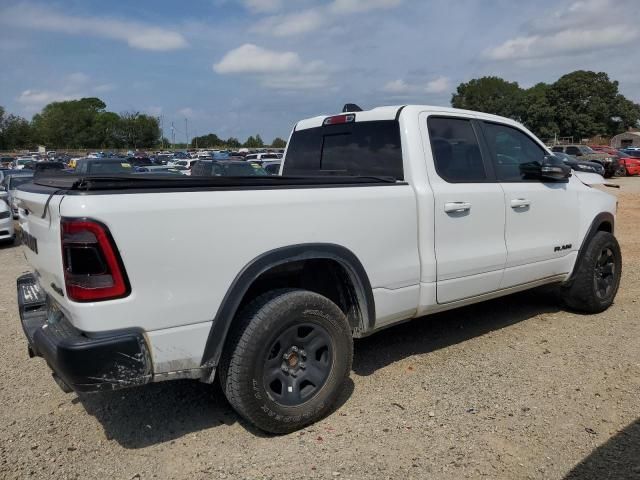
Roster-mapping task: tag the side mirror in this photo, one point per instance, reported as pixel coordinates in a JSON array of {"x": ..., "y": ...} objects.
[{"x": 554, "y": 169}]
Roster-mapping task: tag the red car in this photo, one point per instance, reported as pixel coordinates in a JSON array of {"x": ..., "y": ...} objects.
[
  {"x": 605, "y": 149},
  {"x": 630, "y": 161}
]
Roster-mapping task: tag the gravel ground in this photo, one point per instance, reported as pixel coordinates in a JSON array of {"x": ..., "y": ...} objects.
[{"x": 512, "y": 388}]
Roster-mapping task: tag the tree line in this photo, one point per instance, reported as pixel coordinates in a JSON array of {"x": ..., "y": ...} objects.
[
  {"x": 212, "y": 140},
  {"x": 85, "y": 123},
  {"x": 75, "y": 124},
  {"x": 581, "y": 104}
]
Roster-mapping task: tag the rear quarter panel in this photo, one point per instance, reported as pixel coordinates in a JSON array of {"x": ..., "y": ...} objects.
[{"x": 182, "y": 250}]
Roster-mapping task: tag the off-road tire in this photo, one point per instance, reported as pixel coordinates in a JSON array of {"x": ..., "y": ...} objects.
[
  {"x": 249, "y": 355},
  {"x": 583, "y": 293}
]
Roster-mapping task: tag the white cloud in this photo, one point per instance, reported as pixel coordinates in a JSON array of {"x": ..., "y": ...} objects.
[
  {"x": 355, "y": 6},
  {"x": 576, "y": 29},
  {"x": 78, "y": 78},
  {"x": 186, "y": 112},
  {"x": 291, "y": 24},
  {"x": 438, "y": 85},
  {"x": 74, "y": 86},
  {"x": 262, "y": 6},
  {"x": 40, "y": 98},
  {"x": 397, "y": 86},
  {"x": 250, "y": 58},
  {"x": 105, "y": 87},
  {"x": 312, "y": 19},
  {"x": 401, "y": 87},
  {"x": 135, "y": 34},
  {"x": 274, "y": 69}
]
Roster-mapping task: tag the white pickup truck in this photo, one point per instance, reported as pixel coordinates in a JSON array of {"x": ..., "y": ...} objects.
[{"x": 378, "y": 217}]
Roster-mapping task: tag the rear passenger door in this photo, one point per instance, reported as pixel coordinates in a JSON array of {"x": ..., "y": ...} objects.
[
  {"x": 469, "y": 210},
  {"x": 541, "y": 216}
]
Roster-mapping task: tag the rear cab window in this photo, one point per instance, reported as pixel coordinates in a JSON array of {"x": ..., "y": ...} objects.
[
  {"x": 456, "y": 151},
  {"x": 369, "y": 148}
]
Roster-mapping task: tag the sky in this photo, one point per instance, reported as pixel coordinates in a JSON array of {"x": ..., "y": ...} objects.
[{"x": 246, "y": 67}]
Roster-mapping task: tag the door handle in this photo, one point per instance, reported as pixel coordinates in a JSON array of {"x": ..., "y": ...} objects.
[
  {"x": 452, "y": 207},
  {"x": 520, "y": 203}
]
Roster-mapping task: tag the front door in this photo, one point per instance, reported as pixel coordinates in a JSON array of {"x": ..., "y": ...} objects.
[{"x": 542, "y": 218}]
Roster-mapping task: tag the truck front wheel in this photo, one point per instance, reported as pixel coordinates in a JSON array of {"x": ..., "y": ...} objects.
[
  {"x": 597, "y": 275},
  {"x": 287, "y": 357}
]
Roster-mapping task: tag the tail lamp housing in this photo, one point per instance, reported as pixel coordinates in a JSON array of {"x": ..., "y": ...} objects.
[{"x": 93, "y": 269}]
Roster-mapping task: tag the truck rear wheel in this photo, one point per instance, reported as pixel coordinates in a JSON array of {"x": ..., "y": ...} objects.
[
  {"x": 597, "y": 276},
  {"x": 286, "y": 359}
]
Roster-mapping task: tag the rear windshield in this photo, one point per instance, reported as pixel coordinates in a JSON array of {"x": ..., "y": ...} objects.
[{"x": 360, "y": 148}]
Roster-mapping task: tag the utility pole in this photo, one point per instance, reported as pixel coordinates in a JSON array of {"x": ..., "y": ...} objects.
[
  {"x": 173, "y": 136},
  {"x": 162, "y": 131}
]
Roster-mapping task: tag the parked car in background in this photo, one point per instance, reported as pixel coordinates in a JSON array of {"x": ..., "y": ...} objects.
[
  {"x": 7, "y": 232},
  {"x": 272, "y": 167},
  {"x": 9, "y": 185},
  {"x": 160, "y": 169},
  {"x": 226, "y": 168},
  {"x": 139, "y": 161},
  {"x": 261, "y": 157},
  {"x": 586, "y": 153},
  {"x": 20, "y": 162},
  {"x": 186, "y": 163},
  {"x": 47, "y": 166},
  {"x": 629, "y": 163},
  {"x": 102, "y": 166},
  {"x": 579, "y": 165},
  {"x": 5, "y": 172}
]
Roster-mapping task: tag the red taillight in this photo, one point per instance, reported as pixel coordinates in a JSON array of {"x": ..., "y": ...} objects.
[
  {"x": 338, "y": 119},
  {"x": 93, "y": 270}
]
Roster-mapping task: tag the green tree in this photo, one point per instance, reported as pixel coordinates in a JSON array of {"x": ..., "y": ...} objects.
[
  {"x": 206, "y": 141},
  {"x": 233, "y": 142},
  {"x": 537, "y": 112},
  {"x": 278, "y": 143},
  {"x": 585, "y": 103},
  {"x": 68, "y": 124},
  {"x": 489, "y": 95},
  {"x": 254, "y": 142},
  {"x": 15, "y": 132},
  {"x": 139, "y": 130}
]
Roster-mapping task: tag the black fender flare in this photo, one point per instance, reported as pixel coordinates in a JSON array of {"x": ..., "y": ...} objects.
[
  {"x": 596, "y": 223},
  {"x": 280, "y": 256}
]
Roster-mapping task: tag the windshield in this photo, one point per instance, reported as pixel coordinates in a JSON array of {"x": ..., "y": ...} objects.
[
  {"x": 631, "y": 153},
  {"x": 585, "y": 149},
  {"x": 15, "y": 182},
  {"x": 24, "y": 161}
]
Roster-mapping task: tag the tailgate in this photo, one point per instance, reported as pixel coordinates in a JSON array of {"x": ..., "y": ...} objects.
[{"x": 41, "y": 238}]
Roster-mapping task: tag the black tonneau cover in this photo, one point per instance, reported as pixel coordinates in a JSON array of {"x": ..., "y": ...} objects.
[{"x": 93, "y": 183}]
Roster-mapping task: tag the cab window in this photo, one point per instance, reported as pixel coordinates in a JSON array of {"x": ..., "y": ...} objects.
[{"x": 515, "y": 155}]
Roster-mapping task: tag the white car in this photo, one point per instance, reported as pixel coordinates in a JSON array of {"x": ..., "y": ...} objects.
[
  {"x": 381, "y": 216},
  {"x": 20, "y": 162},
  {"x": 185, "y": 163},
  {"x": 7, "y": 232},
  {"x": 259, "y": 158}
]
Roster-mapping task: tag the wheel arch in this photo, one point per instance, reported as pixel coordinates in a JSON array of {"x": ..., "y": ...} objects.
[
  {"x": 603, "y": 222},
  {"x": 278, "y": 260}
]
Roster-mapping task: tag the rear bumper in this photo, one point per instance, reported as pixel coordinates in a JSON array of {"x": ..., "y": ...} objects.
[{"x": 113, "y": 360}]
